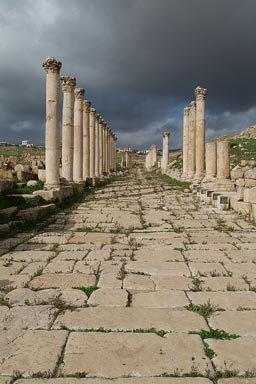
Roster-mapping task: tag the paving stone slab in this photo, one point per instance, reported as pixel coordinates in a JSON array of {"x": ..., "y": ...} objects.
[
  {"x": 132, "y": 354},
  {"x": 159, "y": 254},
  {"x": 236, "y": 354},
  {"x": 98, "y": 255},
  {"x": 241, "y": 323},
  {"x": 63, "y": 266},
  {"x": 30, "y": 352},
  {"x": 207, "y": 269},
  {"x": 224, "y": 284},
  {"x": 109, "y": 280},
  {"x": 32, "y": 317},
  {"x": 138, "y": 282},
  {"x": 242, "y": 269},
  {"x": 131, "y": 380},
  {"x": 225, "y": 300},
  {"x": 63, "y": 281},
  {"x": 109, "y": 297},
  {"x": 25, "y": 296},
  {"x": 158, "y": 268},
  {"x": 173, "y": 283},
  {"x": 5, "y": 379},
  {"x": 34, "y": 268},
  {"x": 27, "y": 256},
  {"x": 13, "y": 281},
  {"x": 242, "y": 256},
  {"x": 125, "y": 319},
  {"x": 71, "y": 255},
  {"x": 237, "y": 380},
  {"x": 159, "y": 299},
  {"x": 212, "y": 256}
]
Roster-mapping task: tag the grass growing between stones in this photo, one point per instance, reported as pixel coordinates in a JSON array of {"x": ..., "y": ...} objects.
[
  {"x": 204, "y": 310},
  {"x": 87, "y": 290}
]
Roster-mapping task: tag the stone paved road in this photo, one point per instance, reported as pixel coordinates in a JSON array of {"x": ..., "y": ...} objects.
[{"x": 140, "y": 284}]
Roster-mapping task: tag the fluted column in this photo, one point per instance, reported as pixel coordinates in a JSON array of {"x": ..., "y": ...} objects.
[
  {"x": 115, "y": 139},
  {"x": 111, "y": 151},
  {"x": 92, "y": 142},
  {"x": 97, "y": 151},
  {"x": 185, "y": 141},
  {"x": 68, "y": 87},
  {"x": 78, "y": 135},
  {"x": 104, "y": 147},
  {"x": 165, "y": 153},
  {"x": 223, "y": 160},
  {"x": 210, "y": 160},
  {"x": 192, "y": 140},
  {"x": 86, "y": 139},
  {"x": 200, "y": 131},
  {"x": 101, "y": 146},
  {"x": 52, "y": 126}
]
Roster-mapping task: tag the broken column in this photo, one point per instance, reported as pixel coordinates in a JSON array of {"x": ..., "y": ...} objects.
[
  {"x": 192, "y": 140},
  {"x": 68, "y": 87},
  {"x": 78, "y": 135},
  {"x": 210, "y": 160},
  {"x": 92, "y": 142},
  {"x": 86, "y": 140},
  {"x": 223, "y": 160},
  {"x": 200, "y": 131},
  {"x": 52, "y": 126},
  {"x": 185, "y": 141},
  {"x": 165, "y": 153}
]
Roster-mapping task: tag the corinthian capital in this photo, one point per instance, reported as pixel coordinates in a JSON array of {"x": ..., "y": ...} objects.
[
  {"x": 200, "y": 93},
  {"x": 166, "y": 134},
  {"x": 192, "y": 105},
  {"x": 86, "y": 105},
  {"x": 68, "y": 83},
  {"x": 51, "y": 65},
  {"x": 79, "y": 93},
  {"x": 93, "y": 111},
  {"x": 186, "y": 111}
]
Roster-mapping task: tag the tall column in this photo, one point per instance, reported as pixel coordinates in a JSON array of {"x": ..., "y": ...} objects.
[
  {"x": 52, "y": 125},
  {"x": 192, "y": 140},
  {"x": 92, "y": 142},
  {"x": 185, "y": 141},
  {"x": 165, "y": 153},
  {"x": 86, "y": 139},
  {"x": 210, "y": 160},
  {"x": 115, "y": 139},
  {"x": 97, "y": 152},
  {"x": 78, "y": 135},
  {"x": 223, "y": 159},
  {"x": 104, "y": 147},
  {"x": 200, "y": 130},
  {"x": 68, "y": 87},
  {"x": 101, "y": 146},
  {"x": 111, "y": 163}
]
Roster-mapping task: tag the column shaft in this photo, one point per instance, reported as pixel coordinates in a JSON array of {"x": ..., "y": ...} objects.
[
  {"x": 78, "y": 135},
  {"x": 165, "y": 151},
  {"x": 185, "y": 141},
  {"x": 92, "y": 142},
  {"x": 86, "y": 140},
  {"x": 100, "y": 147},
  {"x": 97, "y": 151},
  {"x": 200, "y": 130},
  {"x": 192, "y": 140},
  {"x": 210, "y": 160},
  {"x": 52, "y": 126},
  {"x": 223, "y": 160}
]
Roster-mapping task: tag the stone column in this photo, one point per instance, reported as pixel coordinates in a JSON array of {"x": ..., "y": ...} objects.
[
  {"x": 192, "y": 140},
  {"x": 92, "y": 142},
  {"x": 68, "y": 87},
  {"x": 223, "y": 160},
  {"x": 200, "y": 131},
  {"x": 115, "y": 139},
  {"x": 112, "y": 151},
  {"x": 52, "y": 126},
  {"x": 86, "y": 139},
  {"x": 185, "y": 141},
  {"x": 97, "y": 147},
  {"x": 105, "y": 147},
  {"x": 128, "y": 162},
  {"x": 165, "y": 153},
  {"x": 210, "y": 160},
  {"x": 101, "y": 121},
  {"x": 78, "y": 135}
]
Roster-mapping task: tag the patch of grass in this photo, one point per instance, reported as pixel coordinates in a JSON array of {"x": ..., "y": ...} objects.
[
  {"x": 197, "y": 285},
  {"x": 242, "y": 149},
  {"x": 62, "y": 306},
  {"x": 208, "y": 351},
  {"x": 122, "y": 273},
  {"x": 204, "y": 310},
  {"x": 27, "y": 190},
  {"x": 87, "y": 290},
  {"x": 218, "y": 334}
]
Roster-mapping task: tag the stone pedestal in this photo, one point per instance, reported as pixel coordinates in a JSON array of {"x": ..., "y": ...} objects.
[
  {"x": 86, "y": 140},
  {"x": 97, "y": 147},
  {"x": 52, "y": 126},
  {"x": 192, "y": 140},
  {"x": 165, "y": 153},
  {"x": 92, "y": 142},
  {"x": 223, "y": 160},
  {"x": 210, "y": 161},
  {"x": 200, "y": 131},
  {"x": 78, "y": 135},
  {"x": 185, "y": 141},
  {"x": 68, "y": 87}
]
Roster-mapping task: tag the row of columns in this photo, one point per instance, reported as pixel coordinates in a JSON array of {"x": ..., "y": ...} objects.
[
  {"x": 88, "y": 144},
  {"x": 194, "y": 136}
]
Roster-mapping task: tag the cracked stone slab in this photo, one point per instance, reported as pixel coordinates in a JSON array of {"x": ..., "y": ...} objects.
[
  {"x": 236, "y": 354},
  {"x": 132, "y": 354},
  {"x": 127, "y": 318},
  {"x": 62, "y": 281},
  {"x": 30, "y": 352},
  {"x": 39, "y": 317},
  {"x": 159, "y": 299},
  {"x": 109, "y": 297},
  {"x": 226, "y": 300},
  {"x": 241, "y": 323}
]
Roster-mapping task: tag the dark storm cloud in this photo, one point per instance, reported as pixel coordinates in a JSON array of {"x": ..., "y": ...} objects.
[{"x": 138, "y": 60}]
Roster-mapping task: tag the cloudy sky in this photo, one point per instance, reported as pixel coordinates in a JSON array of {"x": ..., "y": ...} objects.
[{"x": 138, "y": 60}]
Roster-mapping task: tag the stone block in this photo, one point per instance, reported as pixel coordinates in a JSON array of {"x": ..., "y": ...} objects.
[
  {"x": 250, "y": 173},
  {"x": 250, "y": 183},
  {"x": 31, "y": 183},
  {"x": 240, "y": 182},
  {"x": 42, "y": 174},
  {"x": 253, "y": 212},
  {"x": 237, "y": 173},
  {"x": 250, "y": 195}
]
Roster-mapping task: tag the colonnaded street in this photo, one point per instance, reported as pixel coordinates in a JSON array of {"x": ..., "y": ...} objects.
[{"x": 141, "y": 283}]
